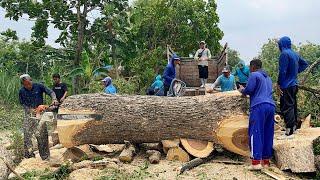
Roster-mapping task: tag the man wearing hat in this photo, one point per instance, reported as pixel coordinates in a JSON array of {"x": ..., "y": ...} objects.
[
  {"x": 226, "y": 81},
  {"x": 170, "y": 73},
  {"x": 108, "y": 86},
  {"x": 31, "y": 97},
  {"x": 202, "y": 56}
]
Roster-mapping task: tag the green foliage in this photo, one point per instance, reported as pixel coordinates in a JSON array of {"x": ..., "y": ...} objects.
[
  {"x": 9, "y": 34},
  {"x": 233, "y": 57},
  {"x": 9, "y": 88},
  {"x": 126, "y": 86},
  {"x": 17, "y": 144}
]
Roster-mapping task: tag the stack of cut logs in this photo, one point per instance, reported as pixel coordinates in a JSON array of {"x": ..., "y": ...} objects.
[{"x": 185, "y": 126}]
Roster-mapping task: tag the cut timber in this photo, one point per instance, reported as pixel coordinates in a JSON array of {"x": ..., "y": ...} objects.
[
  {"x": 177, "y": 154},
  {"x": 154, "y": 156},
  {"x": 151, "y": 146},
  {"x": 233, "y": 134},
  {"x": 127, "y": 154},
  {"x": 74, "y": 154},
  {"x": 146, "y": 119},
  {"x": 167, "y": 144},
  {"x": 297, "y": 154},
  {"x": 306, "y": 122},
  {"x": 196, "y": 148}
]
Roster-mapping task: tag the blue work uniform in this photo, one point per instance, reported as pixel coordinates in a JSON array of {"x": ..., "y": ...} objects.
[{"x": 262, "y": 110}]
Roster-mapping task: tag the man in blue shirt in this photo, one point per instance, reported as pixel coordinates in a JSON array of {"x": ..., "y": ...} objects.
[
  {"x": 290, "y": 64},
  {"x": 108, "y": 86},
  {"x": 226, "y": 81},
  {"x": 170, "y": 73},
  {"x": 30, "y": 97},
  {"x": 261, "y": 119},
  {"x": 242, "y": 71}
]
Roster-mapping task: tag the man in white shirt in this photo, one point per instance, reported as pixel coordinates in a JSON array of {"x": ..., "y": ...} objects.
[{"x": 202, "y": 56}]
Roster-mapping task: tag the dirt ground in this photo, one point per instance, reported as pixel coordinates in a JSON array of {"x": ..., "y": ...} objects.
[{"x": 141, "y": 169}]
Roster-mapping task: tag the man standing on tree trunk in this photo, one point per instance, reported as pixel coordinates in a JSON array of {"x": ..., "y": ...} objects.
[
  {"x": 170, "y": 73},
  {"x": 261, "y": 119},
  {"x": 31, "y": 97},
  {"x": 202, "y": 56},
  {"x": 290, "y": 64}
]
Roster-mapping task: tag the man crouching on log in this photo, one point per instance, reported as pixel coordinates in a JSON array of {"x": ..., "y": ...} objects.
[
  {"x": 31, "y": 97},
  {"x": 261, "y": 120}
]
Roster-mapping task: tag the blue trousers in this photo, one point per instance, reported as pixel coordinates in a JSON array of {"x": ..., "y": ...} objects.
[{"x": 261, "y": 131}]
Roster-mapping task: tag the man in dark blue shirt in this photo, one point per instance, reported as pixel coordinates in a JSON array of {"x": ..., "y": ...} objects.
[
  {"x": 30, "y": 97},
  {"x": 290, "y": 65},
  {"x": 261, "y": 120}
]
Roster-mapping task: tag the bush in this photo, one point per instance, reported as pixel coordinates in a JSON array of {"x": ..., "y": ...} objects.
[
  {"x": 9, "y": 88},
  {"x": 124, "y": 86}
]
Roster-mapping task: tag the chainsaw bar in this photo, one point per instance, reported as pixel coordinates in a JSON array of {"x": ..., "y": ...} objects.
[{"x": 79, "y": 116}]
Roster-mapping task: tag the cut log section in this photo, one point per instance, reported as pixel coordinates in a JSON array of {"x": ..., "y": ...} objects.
[
  {"x": 127, "y": 154},
  {"x": 233, "y": 134},
  {"x": 196, "y": 148},
  {"x": 297, "y": 154},
  {"x": 167, "y": 144},
  {"x": 144, "y": 119},
  {"x": 178, "y": 154},
  {"x": 154, "y": 156},
  {"x": 306, "y": 123},
  {"x": 74, "y": 154}
]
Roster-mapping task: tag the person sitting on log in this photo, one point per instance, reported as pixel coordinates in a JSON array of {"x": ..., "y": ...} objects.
[
  {"x": 242, "y": 71},
  {"x": 261, "y": 119},
  {"x": 31, "y": 98},
  {"x": 170, "y": 73},
  {"x": 226, "y": 81},
  {"x": 108, "y": 86},
  {"x": 156, "y": 87}
]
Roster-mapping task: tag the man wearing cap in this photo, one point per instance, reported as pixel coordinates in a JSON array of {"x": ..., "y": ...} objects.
[
  {"x": 170, "y": 73},
  {"x": 226, "y": 81},
  {"x": 31, "y": 97},
  {"x": 202, "y": 56},
  {"x": 108, "y": 86}
]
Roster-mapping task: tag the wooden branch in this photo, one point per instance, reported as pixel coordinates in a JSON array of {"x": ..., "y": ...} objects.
[
  {"x": 11, "y": 169},
  {"x": 154, "y": 156},
  {"x": 194, "y": 163},
  {"x": 314, "y": 91},
  {"x": 310, "y": 68}
]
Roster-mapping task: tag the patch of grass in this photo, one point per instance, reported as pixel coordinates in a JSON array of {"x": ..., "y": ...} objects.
[
  {"x": 116, "y": 174},
  {"x": 11, "y": 117},
  {"x": 61, "y": 173},
  {"x": 97, "y": 158},
  {"x": 17, "y": 144},
  {"x": 202, "y": 176},
  {"x": 316, "y": 146}
]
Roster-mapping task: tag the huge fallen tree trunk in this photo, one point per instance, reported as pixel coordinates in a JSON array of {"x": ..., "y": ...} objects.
[{"x": 103, "y": 119}]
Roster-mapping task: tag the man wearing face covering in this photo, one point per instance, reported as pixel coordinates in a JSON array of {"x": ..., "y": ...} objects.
[
  {"x": 290, "y": 64},
  {"x": 31, "y": 97},
  {"x": 108, "y": 86}
]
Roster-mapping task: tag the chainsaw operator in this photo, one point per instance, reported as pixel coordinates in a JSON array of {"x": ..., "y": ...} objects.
[{"x": 31, "y": 98}]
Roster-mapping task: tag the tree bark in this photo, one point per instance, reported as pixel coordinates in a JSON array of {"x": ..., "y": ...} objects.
[{"x": 143, "y": 119}]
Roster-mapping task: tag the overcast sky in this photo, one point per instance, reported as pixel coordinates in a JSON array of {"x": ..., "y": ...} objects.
[{"x": 247, "y": 24}]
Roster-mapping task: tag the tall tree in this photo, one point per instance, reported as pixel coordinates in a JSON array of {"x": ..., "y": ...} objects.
[{"x": 69, "y": 16}]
